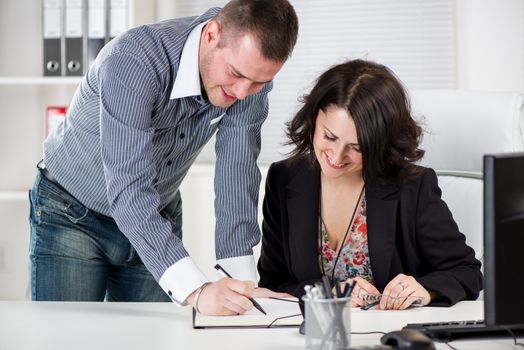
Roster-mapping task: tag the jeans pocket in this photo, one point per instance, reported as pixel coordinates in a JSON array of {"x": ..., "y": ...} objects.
[{"x": 54, "y": 203}]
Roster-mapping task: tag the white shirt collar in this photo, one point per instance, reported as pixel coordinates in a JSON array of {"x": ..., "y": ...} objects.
[{"x": 187, "y": 81}]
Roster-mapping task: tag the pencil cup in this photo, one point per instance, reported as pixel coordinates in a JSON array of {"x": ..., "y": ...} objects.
[{"x": 327, "y": 323}]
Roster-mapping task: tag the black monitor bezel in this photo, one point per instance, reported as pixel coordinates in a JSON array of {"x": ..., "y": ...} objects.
[{"x": 499, "y": 310}]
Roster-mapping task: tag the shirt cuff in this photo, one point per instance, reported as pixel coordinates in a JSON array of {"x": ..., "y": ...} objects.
[
  {"x": 241, "y": 267},
  {"x": 181, "y": 279}
]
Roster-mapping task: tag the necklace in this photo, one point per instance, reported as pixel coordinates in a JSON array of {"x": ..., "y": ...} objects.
[{"x": 321, "y": 245}]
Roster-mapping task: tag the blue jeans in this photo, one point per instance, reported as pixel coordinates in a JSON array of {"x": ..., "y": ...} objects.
[{"x": 77, "y": 254}]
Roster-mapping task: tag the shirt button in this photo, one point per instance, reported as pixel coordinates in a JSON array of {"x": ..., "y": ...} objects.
[
  {"x": 169, "y": 292},
  {"x": 169, "y": 162},
  {"x": 182, "y": 135}
]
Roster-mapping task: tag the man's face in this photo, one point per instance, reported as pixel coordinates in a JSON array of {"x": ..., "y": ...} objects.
[{"x": 233, "y": 70}]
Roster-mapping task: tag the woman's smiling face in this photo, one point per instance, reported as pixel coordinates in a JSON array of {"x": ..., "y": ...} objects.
[{"x": 335, "y": 143}]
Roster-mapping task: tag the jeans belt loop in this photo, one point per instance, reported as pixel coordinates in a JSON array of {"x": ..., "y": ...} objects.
[{"x": 45, "y": 173}]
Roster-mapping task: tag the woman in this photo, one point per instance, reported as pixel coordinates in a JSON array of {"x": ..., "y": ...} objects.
[{"x": 350, "y": 202}]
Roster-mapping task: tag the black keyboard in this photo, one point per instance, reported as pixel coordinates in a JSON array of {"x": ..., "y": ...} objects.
[{"x": 449, "y": 331}]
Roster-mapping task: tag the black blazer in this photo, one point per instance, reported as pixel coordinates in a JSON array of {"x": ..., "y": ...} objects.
[{"x": 410, "y": 231}]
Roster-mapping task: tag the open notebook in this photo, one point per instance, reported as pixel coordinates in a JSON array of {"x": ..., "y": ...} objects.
[{"x": 280, "y": 313}]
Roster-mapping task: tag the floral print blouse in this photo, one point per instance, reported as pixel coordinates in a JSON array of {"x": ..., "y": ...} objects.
[{"x": 354, "y": 254}]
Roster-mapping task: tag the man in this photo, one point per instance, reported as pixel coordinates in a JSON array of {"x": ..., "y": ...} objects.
[{"x": 105, "y": 207}]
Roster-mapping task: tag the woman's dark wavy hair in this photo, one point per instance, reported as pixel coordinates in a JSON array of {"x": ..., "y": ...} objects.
[{"x": 376, "y": 100}]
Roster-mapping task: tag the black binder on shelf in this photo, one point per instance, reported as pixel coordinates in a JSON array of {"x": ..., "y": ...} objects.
[
  {"x": 52, "y": 23},
  {"x": 74, "y": 37},
  {"x": 118, "y": 17},
  {"x": 96, "y": 29}
]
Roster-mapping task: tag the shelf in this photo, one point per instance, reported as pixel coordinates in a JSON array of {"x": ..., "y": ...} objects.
[
  {"x": 13, "y": 195},
  {"x": 40, "y": 81}
]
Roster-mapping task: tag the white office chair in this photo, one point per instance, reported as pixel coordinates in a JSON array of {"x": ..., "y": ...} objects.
[{"x": 461, "y": 126}]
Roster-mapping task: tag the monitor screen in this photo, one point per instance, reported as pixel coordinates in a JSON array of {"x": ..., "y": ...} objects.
[{"x": 504, "y": 239}]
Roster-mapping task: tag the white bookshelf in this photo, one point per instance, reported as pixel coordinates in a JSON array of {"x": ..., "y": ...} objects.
[
  {"x": 25, "y": 95},
  {"x": 13, "y": 196},
  {"x": 37, "y": 81}
]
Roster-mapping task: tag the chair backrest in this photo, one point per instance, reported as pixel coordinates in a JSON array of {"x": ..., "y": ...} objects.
[{"x": 461, "y": 126}]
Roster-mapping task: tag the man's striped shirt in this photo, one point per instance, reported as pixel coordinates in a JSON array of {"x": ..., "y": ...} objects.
[{"x": 126, "y": 145}]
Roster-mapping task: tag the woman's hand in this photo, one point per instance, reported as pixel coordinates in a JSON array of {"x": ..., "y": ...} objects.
[
  {"x": 267, "y": 293},
  {"x": 401, "y": 292},
  {"x": 361, "y": 289}
]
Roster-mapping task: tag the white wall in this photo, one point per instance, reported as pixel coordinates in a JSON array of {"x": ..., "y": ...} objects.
[
  {"x": 490, "y": 44},
  {"x": 14, "y": 246},
  {"x": 199, "y": 216}
]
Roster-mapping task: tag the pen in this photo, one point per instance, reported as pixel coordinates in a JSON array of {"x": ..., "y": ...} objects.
[
  {"x": 369, "y": 306},
  {"x": 337, "y": 287},
  {"x": 255, "y": 304},
  {"x": 327, "y": 287},
  {"x": 349, "y": 289},
  {"x": 345, "y": 290}
]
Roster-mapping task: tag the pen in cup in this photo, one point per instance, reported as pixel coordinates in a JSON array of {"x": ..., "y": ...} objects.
[
  {"x": 255, "y": 304},
  {"x": 337, "y": 287},
  {"x": 327, "y": 287}
]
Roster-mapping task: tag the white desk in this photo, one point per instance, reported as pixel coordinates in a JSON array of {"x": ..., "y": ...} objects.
[{"x": 129, "y": 326}]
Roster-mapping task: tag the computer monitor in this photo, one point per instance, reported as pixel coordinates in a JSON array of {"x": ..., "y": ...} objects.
[{"x": 504, "y": 239}]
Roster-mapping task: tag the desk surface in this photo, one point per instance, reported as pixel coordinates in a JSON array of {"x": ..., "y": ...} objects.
[{"x": 129, "y": 326}]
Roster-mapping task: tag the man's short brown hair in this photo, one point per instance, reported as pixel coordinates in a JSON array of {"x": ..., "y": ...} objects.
[{"x": 273, "y": 23}]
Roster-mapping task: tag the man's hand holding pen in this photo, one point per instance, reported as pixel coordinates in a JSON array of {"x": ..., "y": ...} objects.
[{"x": 225, "y": 297}]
